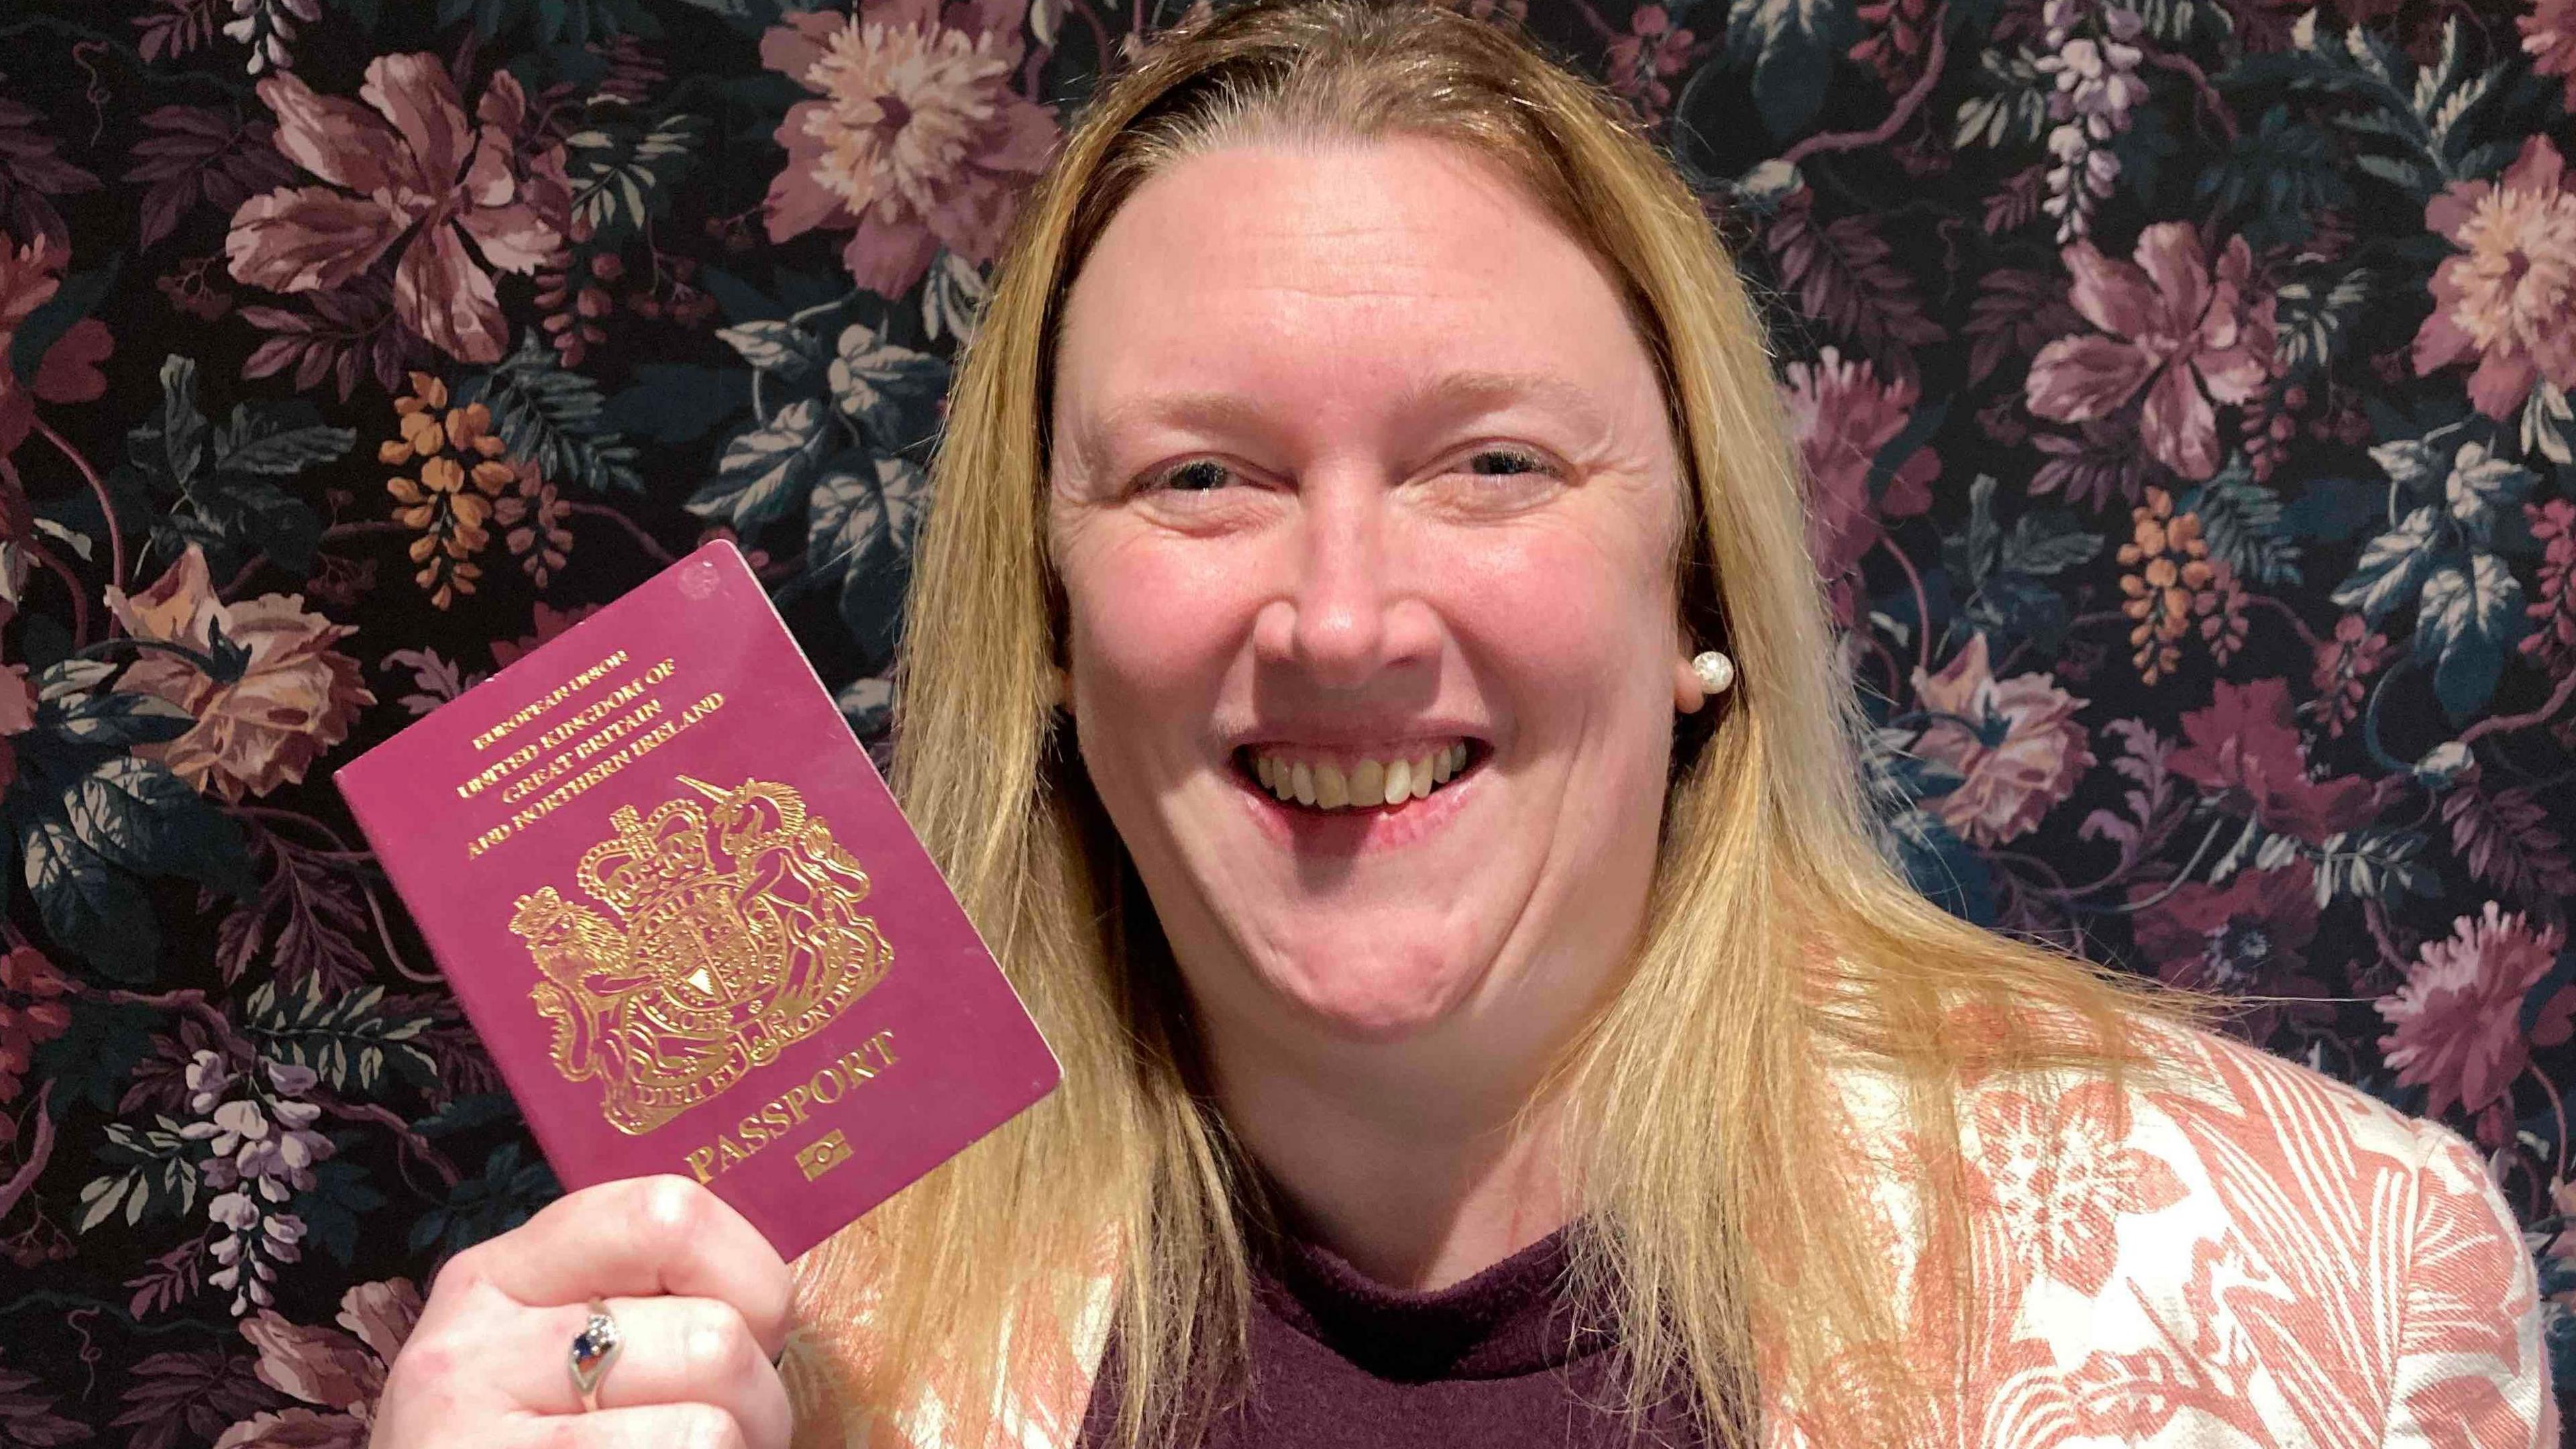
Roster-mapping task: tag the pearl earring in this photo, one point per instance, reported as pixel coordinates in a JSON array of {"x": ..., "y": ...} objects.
[{"x": 1716, "y": 672}]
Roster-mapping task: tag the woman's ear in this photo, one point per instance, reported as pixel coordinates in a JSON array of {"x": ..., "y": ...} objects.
[
  {"x": 1059, "y": 689},
  {"x": 1689, "y": 695}
]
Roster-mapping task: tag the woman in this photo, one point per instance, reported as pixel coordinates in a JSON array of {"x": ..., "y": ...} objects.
[{"x": 1367, "y": 684}]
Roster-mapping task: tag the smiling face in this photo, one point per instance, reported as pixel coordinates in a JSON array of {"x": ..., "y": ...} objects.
[{"x": 1364, "y": 502}]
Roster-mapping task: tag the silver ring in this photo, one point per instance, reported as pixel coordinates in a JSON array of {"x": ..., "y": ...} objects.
[{"x": 593, "y": 1350}]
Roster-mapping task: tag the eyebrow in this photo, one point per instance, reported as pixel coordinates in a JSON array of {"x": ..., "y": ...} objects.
[{"x": 1451, "y": 395}]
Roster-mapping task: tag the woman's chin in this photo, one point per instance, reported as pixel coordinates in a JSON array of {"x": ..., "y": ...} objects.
[{"x": 1366, "y": 997}]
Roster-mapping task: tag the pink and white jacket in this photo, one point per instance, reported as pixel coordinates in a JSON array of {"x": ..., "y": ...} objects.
[{"x": 2256, "y": 1256}]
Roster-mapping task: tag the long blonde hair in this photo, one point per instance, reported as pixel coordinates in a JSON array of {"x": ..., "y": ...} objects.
[{"x": 1719, "y": 1217}]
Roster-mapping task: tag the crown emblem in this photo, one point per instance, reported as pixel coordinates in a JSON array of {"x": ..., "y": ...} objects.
[{"x": 728, "y": 930}]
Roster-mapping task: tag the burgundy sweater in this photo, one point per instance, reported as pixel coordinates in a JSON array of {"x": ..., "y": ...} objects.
[{"x": 1500, "y": 1361}]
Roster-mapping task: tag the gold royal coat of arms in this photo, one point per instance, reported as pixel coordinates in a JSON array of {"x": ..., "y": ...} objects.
[{"x": 731, "y": 931}]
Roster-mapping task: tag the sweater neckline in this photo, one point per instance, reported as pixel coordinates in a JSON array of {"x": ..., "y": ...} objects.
[{"x": 1513, "y": 1318}]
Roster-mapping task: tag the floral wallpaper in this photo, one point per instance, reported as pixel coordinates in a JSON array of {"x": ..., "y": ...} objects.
[{"x": 2185, "y": 382}]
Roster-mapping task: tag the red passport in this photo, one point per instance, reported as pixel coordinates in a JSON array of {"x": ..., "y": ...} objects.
[{"x": 687, "y": 920}]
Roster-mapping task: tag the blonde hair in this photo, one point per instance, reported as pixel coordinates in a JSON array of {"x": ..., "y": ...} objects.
[{"x": 1720, "y": 1215}]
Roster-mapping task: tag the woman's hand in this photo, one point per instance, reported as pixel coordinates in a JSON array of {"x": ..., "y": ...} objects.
[{"x": 701, "y": 1303}]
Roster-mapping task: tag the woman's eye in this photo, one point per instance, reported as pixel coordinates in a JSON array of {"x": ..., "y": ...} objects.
[
  {"x": 1504, "y": 462},
  {"x": 1196, "y": 476}
]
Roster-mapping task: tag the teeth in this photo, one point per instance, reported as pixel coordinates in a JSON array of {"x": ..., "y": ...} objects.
[{"x": 1362, "y": 784}]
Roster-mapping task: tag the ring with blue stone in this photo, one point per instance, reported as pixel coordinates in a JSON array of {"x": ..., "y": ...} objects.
[{"x": 593, "y": 1350}]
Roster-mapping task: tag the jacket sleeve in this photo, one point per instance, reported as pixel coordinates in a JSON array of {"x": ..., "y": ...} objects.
[{"x": 2471, "y": 1371}]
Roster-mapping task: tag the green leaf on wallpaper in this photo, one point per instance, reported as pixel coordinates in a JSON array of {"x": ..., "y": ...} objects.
[
  {"x": 2275, "y": 177},
  {"x": 136, "y": 814},
  {"x": 2330, "y": 510},
  {"x": 227, "y": 659},
  {"x": 114, "y": 719},
  {"x": 1792, "y": 46},
  {"x": 36, "y": 334},
  {"x": 95, "y": 1057},
  {"x": 2241, "y": 519},
  {"x": 466, "y": 1112},
  {"x": 953, "y": 298},
  {"x": 2048, "y": 543},
  {"x": 95, "y": 911},
  {"x": 553, "y": 22},
  {"x": 865, "y": 519},
  {"x": 346, "y": 1037},
  {"x": 2392, "y": 566},
  {"x": 279, "y": 439},
  {"x": 1942, "y": 866},
  {"x": 507, "y": 1192},
  {"x": 2374, "y": 863},
  {"x": 765, "y": 469},
  {"x": 775, "y": 348},
  {"x": 73, "y": 676},
  {"x": 1970, "y": 554},
  {"x": 2181, "y": 23},
  {"x": 2548, "y": 419},
  {"x": 173, "y": 447},
  {"x": 891, "y": 392},
  {"x": 2015, "y": 107},
  {"x": 622, "y": 173},
  {"x": 677, "y": 402},
  {"x": 2480, "y": 487},
  {"x": 552, "y": 417},
  {"x": 334, "y": 1206},
  {"x": 2472, "y": 614},
  {"x": 159, "y": 1174},
  {"x": 2412, "y": 463},
  {"x": 2314, "y": 320},
  {"x": 218, "y": 479}
]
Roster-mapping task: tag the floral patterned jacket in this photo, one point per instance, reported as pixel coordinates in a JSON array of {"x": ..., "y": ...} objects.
[{"x": 2257, "y": 1255}]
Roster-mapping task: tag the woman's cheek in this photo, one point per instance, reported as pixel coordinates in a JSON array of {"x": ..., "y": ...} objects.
[
  {"x": 1559, "y": 609},
  {"x": 1156, "y": 626}
]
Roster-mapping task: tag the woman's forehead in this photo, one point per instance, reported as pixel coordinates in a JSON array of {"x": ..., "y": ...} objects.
[{"x": 1410, "y": 270}]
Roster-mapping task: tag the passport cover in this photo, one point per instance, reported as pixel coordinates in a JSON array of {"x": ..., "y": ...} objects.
[{"x": 687, "y": 920}]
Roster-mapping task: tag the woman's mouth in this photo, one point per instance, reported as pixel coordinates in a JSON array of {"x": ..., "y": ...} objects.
[{"x": 1339, "y": 780}]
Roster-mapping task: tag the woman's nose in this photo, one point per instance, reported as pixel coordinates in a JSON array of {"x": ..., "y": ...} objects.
[{"x": 1347, "y": 612}]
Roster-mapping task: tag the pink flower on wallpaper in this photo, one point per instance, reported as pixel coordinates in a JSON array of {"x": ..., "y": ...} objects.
[
  {"x": 2245, "y": 747},
  {"x": 2549, "y": 38},
  {"x": 341, "y": 1373},
  {"x": 2014, "y": 740},
  {"x": 457, "y": 197},
  {"x": 2455, "y": 1027},
  {"x": 1843, "y": 415},
  {"x": 2171, "y": 326},
  {"x": 1642, "y": 63},
  {"x": 295, "y": 698},
  {"x": 2508, "y": 298},
  {"x": 32, "y": 1013},
  {"x": 29, "y": 277},
  {"x": 916, "y": 139},
  {"x": 2247, "y": 937}
]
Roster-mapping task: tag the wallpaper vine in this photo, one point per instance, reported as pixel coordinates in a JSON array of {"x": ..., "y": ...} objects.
[{"x": 2186, "y": 384}]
